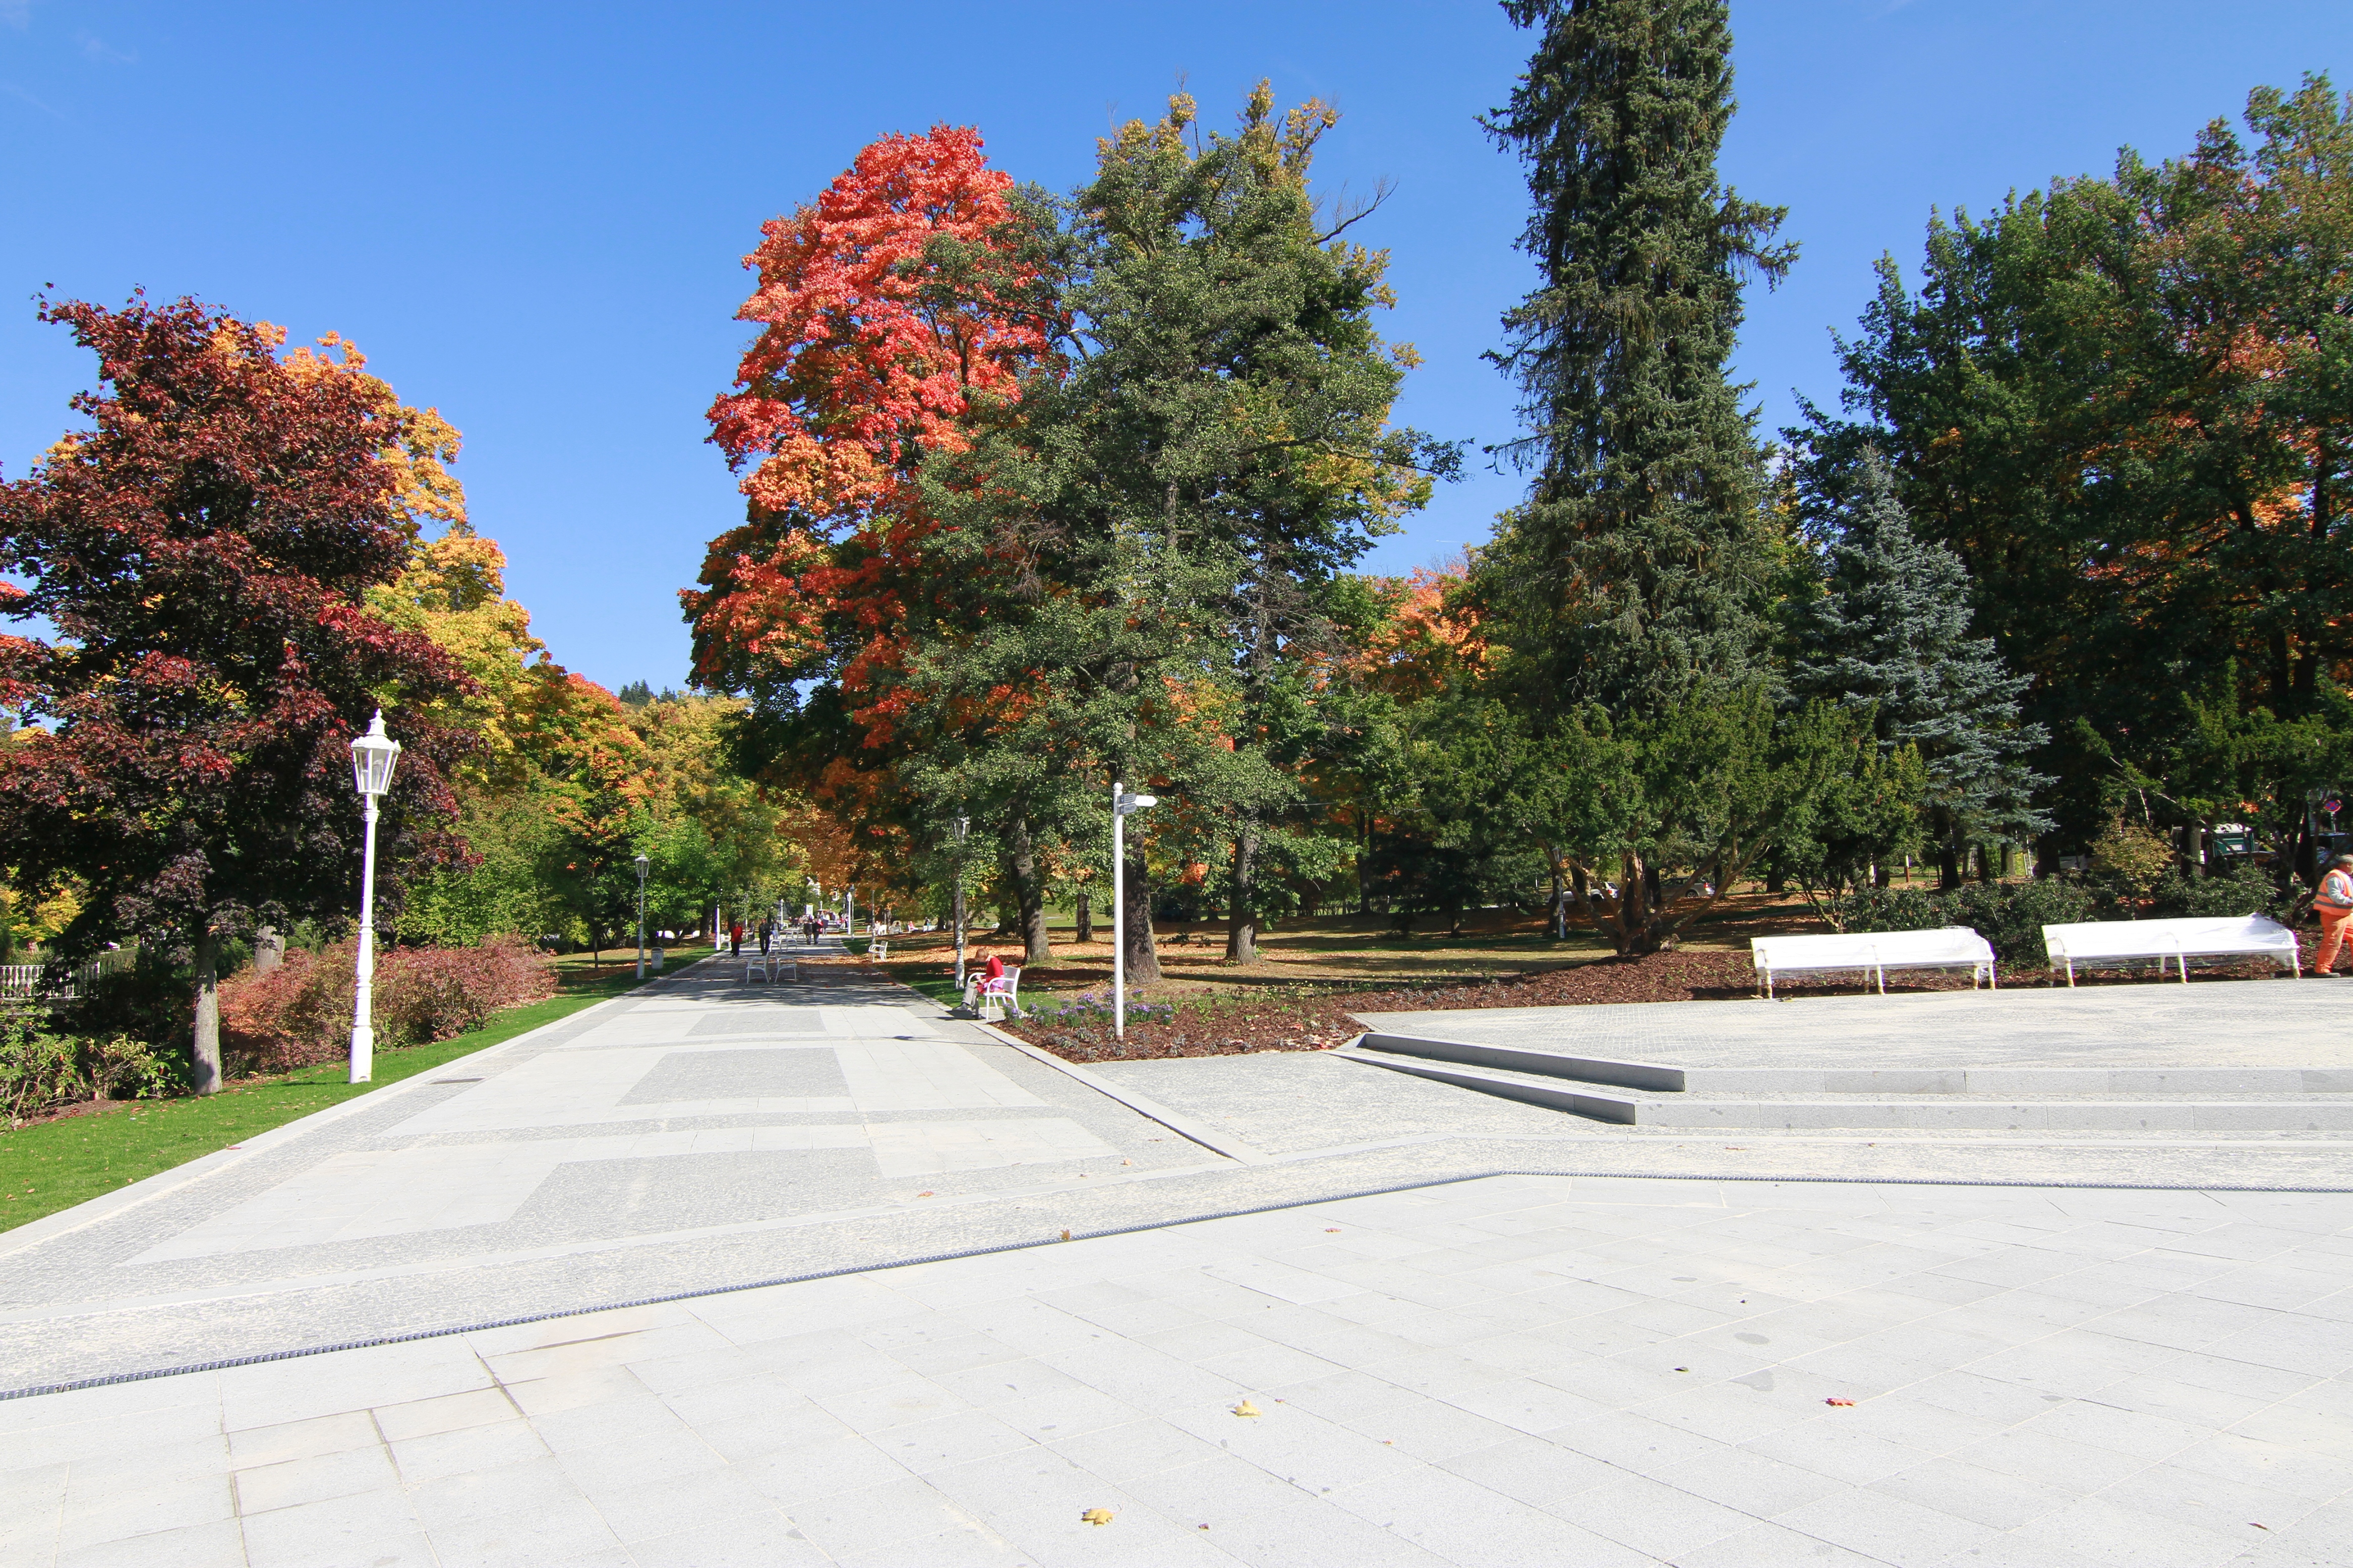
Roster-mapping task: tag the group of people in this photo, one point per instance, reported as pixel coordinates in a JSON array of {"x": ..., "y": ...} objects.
[{"x": 770, "y": 931}]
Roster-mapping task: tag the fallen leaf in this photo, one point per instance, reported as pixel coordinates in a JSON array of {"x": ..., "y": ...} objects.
[
  {"x": 1837, "y": 1402},
  {"x": 923, "y": 1194},
  {"x": 1246, "y": 1408},
  {"x": 1330, "y": 1230},
  {"x": 1683, "y": 1369},
  {"x": 1097, "y": 1516},
  {"x": 1066, "y": 1235},
  {"x": 2250, "y": 1522},
  {"x": 1131, "y": 1163}
]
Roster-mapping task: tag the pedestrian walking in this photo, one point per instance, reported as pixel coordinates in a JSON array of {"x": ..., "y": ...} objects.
[
  {"x": 2334, "y": 905},
  {"x": 735, "y": 939}
]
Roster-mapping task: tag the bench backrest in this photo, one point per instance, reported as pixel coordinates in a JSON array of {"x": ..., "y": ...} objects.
[
  {"x": 1956, "y": 944},
  {"x": 2141, "y": 938}
]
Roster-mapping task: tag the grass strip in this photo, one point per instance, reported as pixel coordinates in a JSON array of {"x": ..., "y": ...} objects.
[{"x": 53, "y": 1165}]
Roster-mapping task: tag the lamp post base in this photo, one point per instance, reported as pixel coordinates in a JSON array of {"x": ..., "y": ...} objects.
[{"x": 363, "y": 1055}]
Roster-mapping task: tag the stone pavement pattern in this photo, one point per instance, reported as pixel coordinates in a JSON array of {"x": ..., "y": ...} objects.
[
  {"x": 607, "y": 1158},
  {"x": 1510, "y": 1371}
]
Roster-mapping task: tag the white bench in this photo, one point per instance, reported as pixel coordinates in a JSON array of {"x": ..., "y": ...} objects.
[
  {"x": 1875, "y": 952},
  {"x": 2228, "y": 936},
  {"x": 977, "y": 997}
]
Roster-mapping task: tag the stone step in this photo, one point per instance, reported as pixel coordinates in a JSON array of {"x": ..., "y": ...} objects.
[
  {"x": 2283, "y": 1113},
  {"x": 2092, "y": 1080}
]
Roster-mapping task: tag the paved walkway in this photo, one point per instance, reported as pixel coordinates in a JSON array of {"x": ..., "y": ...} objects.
[
  {"x": 1608, "y": 1355},
  {"x": 1514, "y": 1371},
  {"x": 668, "y": 1141}
]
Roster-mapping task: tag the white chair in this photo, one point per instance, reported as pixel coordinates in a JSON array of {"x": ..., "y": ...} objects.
[{"x": 990, "y": 998}]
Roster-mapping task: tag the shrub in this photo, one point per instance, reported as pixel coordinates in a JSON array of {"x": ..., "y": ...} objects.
[
  {"x": 41, "y": 1068},
  {"x": 38, "y": 1068},
  {"x": 1893, "y": 908},
  {"x": 2010, "y": 915},
  {"x": 2247, "y": 890},
  {"x": 300, "y": 1013}
]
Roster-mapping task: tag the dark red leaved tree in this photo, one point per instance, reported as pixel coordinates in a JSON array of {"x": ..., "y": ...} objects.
[{"x": 199, "y": 554}]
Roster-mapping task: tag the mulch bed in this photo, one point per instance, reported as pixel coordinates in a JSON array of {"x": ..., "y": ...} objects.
[{"x": 1240, "y": 1026}]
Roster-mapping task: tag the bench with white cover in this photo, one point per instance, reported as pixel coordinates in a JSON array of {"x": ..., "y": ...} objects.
[
  {"x": 1875, "y": 952},
  {"x": 2227, "y": 936}
]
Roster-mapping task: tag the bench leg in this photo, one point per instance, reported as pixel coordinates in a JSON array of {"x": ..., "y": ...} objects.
[
  {"x": 2070, "y": 974},
  {"x": 2182, "y": 961}
]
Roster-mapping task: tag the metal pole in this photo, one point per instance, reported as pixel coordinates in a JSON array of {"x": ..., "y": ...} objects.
[
  {"x": 641, "y": 923},
  {"x": 1118, "y": 916},
  {"x": 364, "y": 994},
  {"x": 960, "y": 830}
]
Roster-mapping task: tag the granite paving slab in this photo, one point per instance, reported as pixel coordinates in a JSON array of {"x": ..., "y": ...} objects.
[{"x": 1511, "y": 1370}]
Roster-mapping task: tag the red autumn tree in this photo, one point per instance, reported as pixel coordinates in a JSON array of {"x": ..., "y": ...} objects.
[
  {"x": 892, "y": 307},
  {"x": 201, "y": 552}
]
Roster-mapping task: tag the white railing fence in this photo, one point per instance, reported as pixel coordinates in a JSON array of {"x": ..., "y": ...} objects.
[{"x": 23, "y": 981}]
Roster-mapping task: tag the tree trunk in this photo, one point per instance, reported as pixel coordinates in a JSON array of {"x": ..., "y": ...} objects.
[
  {"x": 1949, "y": 868},
  {"x": 1143, "y": 955},
  {"x": 1086, "y": 928},
  {"x": 1559, "y": 897},
  {"x": 207, "y": 1074},
  {"x": 269, "y": 949},
  {"x": 1242, "y": 919},
  {"x": 1030, "y": 892},
  {"x": 1633, "y": 928},
  {"x": 1363, "y": 849}
]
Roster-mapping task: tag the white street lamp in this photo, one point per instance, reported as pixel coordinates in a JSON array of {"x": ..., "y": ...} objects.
[
  {"x": 373, "y": 756},
  {"x": 963, "y": 825},
  {"x": 641, "y": 864},
  {"x": 1122, "y": 807}
]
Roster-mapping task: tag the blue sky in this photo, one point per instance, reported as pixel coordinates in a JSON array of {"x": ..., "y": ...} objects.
[{"x": 533, "y": 216}]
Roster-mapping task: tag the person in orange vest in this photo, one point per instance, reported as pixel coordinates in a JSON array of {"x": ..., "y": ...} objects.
[{"x": 2334, "y": 905}]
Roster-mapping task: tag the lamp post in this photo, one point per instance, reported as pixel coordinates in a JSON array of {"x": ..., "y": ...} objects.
[
  {"x": 1122, "y": 807},
  {"x": 373, "y": 756},
  {"x": 641, "y": 863},
  {"x": 963, "y": 825}
]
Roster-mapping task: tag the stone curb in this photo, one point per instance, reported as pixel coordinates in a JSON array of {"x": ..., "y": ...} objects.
[{"x": 1225, "y": 1143}]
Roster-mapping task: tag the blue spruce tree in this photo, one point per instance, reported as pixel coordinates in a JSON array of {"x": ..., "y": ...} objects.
[{"x": 1891, "y": 631}]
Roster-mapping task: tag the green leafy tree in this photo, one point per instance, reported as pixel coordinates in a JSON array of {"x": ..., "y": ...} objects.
[{"x": 2124, "y": 403}]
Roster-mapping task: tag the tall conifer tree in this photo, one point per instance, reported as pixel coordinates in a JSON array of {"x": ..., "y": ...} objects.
[{"x": 1631, "y": 581}]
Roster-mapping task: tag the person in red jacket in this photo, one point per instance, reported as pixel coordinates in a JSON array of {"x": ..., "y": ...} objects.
[{"x": 735, "y": 939}]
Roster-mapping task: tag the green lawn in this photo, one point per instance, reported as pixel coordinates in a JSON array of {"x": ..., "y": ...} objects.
[{"x": 53, "y": 1165}]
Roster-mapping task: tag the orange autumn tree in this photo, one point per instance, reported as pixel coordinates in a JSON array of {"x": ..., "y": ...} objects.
[{"x": 895, "y": 309}]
